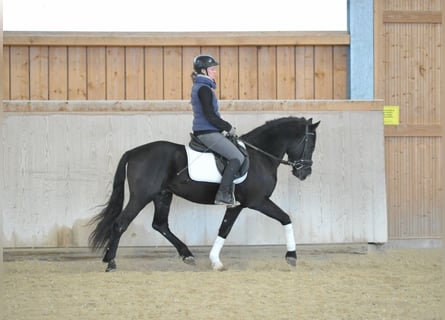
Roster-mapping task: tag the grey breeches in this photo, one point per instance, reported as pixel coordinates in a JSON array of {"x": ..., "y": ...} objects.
[{"x": 218, "y": 143}]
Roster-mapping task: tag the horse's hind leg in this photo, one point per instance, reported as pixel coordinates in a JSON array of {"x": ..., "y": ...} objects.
[
  {"x": 119, "y": 226},
  {"x": 162, "y": 204}
]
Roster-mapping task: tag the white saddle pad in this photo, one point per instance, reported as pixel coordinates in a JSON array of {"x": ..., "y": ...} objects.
[{"x": 202, "y": 167}]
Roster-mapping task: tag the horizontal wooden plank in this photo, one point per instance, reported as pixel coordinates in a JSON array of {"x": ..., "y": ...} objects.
[
  {"x": 175, "y": 38},
  {"x": 412, "y": 17},
  {"x": 413, "y": 131},
  {"x": 111, "y": 106}
]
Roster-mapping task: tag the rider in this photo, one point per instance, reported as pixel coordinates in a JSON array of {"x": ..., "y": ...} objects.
[{"x": 208, "y": 125}]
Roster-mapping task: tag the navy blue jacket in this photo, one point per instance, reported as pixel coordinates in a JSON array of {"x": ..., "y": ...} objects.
[{"x": 206, "y": 116}]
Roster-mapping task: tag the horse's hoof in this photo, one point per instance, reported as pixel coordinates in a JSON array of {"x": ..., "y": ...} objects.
[
  {"x": 291, "y": 261},
  {"x": 111, "y": 266},
  {"x": 190, "y": 260},
  {"x": 218, "y": 267},
  {"x": 291, "y": 258}
]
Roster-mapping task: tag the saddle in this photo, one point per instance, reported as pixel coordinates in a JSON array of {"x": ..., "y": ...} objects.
[{"x": 197, "y": 150}]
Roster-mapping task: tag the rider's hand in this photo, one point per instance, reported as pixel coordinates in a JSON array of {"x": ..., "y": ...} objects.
[{"x": 232, "y": 132}]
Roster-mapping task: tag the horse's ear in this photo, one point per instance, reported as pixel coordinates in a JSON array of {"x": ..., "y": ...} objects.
[
  {"x": 309, "y": 121},
  {"x": 315, "y": 125}
]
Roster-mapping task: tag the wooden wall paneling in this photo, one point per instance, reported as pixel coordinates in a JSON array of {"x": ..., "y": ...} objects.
[
  {"x": 134, "y": 73},
  {"x": 416, "y": 67},
  {"x": 267, "y": 72},
  {"x": 420, "y": 216},
  {"x": 304, "y": 72},
  {"x": 38, "y": 73},
  {"x": 429, "y": 71},
  {"x": 58, "y": 73},
  {"x": 433, "y": 93},
  {"x": 177, "y": 38},
  {"x": 397, "y": 179},
  {"x": 408, "y": 74},
  {"x": 115, "y": 73},
  {"x": 380, "y": 60},
  {"x": 172, "y": 73},
  {"x": 433, "y": 213},
  {"x": 398, "y": 70},
  {"x": 412, "y": 16},
  {"x": 229, "y": 68},
  {"x": 323, "y": 72},
  {"x": 211, "y": 50},
  {"x": 77, "y": 73},
  {"x": 441, "y": 88},
  {"x": 413, "y": 71},
  {"x": 154, "y": 73},
  {"x": 6, "y": 74},
  {"x": 390, "y": 72},
  {"x": 405, "y": 82},
  {"x": 414, "y": 130},
  {"x": 188, "y": 54},
  {"x": 97, "y": 73},
  {"x": 393, "y": 201},
  {"x": 19, "y": 73},
  {"x": 421, "y": 213},
  {"x": 415, "y": 86},
  {"x": 245, "y": 83},
  {"x": 248, "y": 73},
  {"x": 300, "y": 72},
  {"x": 286, "y": 72},
  {"x": 340, "y": 70}
]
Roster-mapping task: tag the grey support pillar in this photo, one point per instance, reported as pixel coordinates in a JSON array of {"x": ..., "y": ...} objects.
[{"x": 361, "y": 56}]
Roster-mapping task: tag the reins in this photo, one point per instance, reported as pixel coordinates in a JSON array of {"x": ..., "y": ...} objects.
[
  {"x": 297, "y": 164},
  {"x": 287, "y": 162}
]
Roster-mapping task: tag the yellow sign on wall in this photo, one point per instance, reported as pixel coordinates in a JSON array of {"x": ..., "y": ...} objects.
[{"x": 391, "y": 115}]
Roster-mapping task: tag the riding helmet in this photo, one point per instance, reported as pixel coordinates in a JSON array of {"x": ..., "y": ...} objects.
[{"x": 203, "y": 62}]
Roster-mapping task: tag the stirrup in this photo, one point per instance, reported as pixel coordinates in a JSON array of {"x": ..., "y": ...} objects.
[
  {"x": 233, "y": 205},
  {"x": 230, "y": 203}
]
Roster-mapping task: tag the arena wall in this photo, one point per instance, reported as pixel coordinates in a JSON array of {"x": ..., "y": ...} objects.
[{"x": 60, "y": 158}]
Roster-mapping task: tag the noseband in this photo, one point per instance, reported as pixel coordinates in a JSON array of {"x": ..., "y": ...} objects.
[
  {"x": 297, "y": 164},
  {"x": 302, "y": 163}
]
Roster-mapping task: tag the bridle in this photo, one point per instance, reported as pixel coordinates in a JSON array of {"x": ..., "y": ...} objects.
[{"x": 297, "y": 164}]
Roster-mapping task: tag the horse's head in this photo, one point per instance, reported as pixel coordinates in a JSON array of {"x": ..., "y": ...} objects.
[{"x": 300, "y": 150}]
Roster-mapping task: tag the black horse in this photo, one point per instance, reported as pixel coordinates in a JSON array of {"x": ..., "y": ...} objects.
[{"x": 155, "y": 171}]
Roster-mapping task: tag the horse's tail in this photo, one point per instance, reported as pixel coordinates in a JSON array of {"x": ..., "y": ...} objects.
[{"x": 101, "y": 235}]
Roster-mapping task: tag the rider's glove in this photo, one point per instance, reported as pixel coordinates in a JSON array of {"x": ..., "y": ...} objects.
[{"x": 232, "y": 132}]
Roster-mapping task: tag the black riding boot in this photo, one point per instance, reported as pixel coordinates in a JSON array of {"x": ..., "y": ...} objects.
[{"x": 225, "y": 194}]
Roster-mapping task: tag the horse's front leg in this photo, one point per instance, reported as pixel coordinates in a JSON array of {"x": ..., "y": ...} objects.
[
  {"x": 229, "y": 219},
  {"x": 291, "y": 254},
  {"x": 271, "y": 210}
]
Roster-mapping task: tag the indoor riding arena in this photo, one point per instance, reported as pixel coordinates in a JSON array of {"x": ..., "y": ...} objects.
[{"x": 367, "y": 222}]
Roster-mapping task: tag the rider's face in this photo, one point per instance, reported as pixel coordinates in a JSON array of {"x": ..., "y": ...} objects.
[{"x": 211, "y": 72}]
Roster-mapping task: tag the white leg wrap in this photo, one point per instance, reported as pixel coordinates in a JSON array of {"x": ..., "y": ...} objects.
[
  {"x": 214, "y": 253},
  {"x": 290, "y": 239}
]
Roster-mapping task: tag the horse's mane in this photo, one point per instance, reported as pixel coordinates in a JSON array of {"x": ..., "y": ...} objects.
[{"x": 273, "y": 126}]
